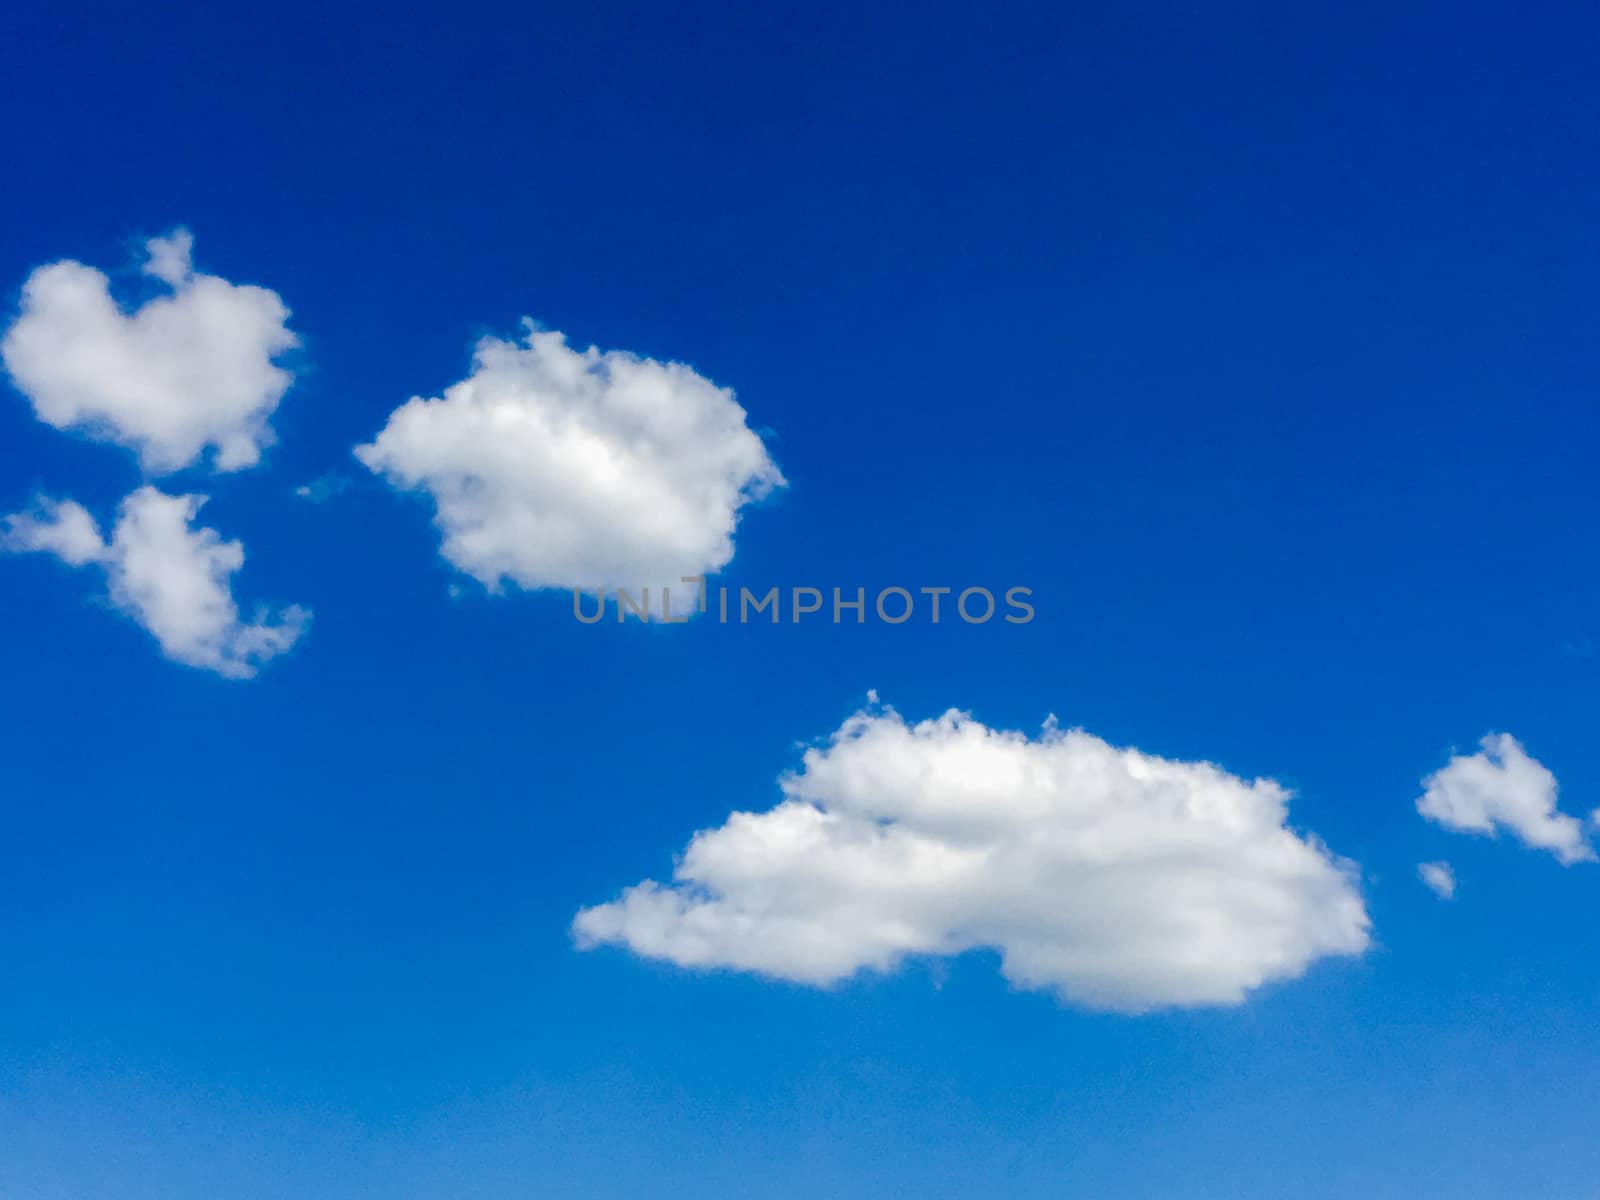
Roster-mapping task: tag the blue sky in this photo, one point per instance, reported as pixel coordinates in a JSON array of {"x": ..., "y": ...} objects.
[{"x": 1260, "y": 346}]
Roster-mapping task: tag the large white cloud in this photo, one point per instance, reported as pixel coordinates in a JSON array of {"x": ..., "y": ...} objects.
[
  {"x": 173, "y": 579},
  {"x": 1117, "y": 879},
  {"x": 552, "y": 467},
  {"x": 1502, "y": 787},
  {"x": 185, "y": 371}
]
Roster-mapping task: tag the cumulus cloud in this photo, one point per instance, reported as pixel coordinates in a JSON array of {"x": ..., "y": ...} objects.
[
  {"x": 1116, "y": 879},
  {"x": 1441, "y": 880},
  {"x": 173, "y": 579},
  {"x": 60, "y": 527},
  {"x": 551, "y": 467},
  {"x": 188, "y": 370},
  {"x": 1503, "y": 788}
]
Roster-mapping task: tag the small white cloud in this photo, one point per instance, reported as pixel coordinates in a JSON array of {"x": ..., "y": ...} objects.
[
  {"x": 1502, "y": 788},
  {"x": 1116, "y": 879},
  {"x": 323, "y": 488},
  {"x": 556, "y": 468},
  {"x": 183, "y": 372},
  {"x": 60, "y": 527},
  {"x": 174, "y": 580},
  {"x": 171, "y": 259},
  {"x": 1439, "y": 878}
]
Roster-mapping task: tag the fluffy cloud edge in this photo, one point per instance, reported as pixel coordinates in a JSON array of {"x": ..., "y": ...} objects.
[
  {"x": 1115, "y": 879},
  {"x": 171, "y": 578},
  {"x": 551, "y": 467},
  {"x": 190, "y": 371},
  {"x": 1502, "y": 788}
]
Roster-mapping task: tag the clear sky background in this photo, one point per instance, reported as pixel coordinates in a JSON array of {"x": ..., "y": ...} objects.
[{"x": 1261, "y": 345}]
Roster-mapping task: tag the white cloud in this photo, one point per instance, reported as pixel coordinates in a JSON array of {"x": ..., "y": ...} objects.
[
  {"x": 173, "y": 579},
  {"x": 1116, "y": 879},
  {"x": 1440, "y": 879},
  {"x": 183, "y": 372},
  {"x": 323, "y": 488},
  {"x": 554, "y": 468},
  {"x": 60, "y": 527},
  {"x": 1502, "y": 787}
]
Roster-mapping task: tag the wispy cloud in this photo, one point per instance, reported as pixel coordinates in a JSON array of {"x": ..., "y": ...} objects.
[
  {"x": 172, "y": 578},
  {"x": 324, "y": 488},
  {"x": 1441, "y": 880}
]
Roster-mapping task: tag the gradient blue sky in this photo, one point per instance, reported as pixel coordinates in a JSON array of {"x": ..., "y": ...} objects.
[{"x": 1262, "y": 346}]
